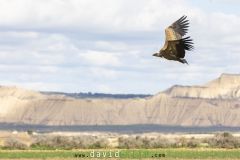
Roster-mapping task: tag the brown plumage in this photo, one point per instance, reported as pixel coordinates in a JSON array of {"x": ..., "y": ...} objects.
[{"x": 175, "y": 45}]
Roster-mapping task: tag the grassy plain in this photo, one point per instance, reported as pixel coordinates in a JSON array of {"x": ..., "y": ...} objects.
[{"x": 167, "y": 154}]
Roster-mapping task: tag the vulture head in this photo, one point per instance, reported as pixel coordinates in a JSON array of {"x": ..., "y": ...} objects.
[{"x": 157, "y": 54}]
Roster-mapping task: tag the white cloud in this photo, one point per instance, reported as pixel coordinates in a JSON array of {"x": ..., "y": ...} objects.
[
  {"x": 15, "y": 34},
  {"x": 104, "y": 15},
  {"x": 100, "y": 58},
  {"x": 104, "y": 73},
  {"x": 111, "y": 46},
  {"x": 104, "y": 88},
  {"x": 90, "y": 45}
]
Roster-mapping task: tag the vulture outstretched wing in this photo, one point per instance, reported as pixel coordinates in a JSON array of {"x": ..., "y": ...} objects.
[
  {"x": 178, "y": 47},
  {"x": 177, "y": 29}
]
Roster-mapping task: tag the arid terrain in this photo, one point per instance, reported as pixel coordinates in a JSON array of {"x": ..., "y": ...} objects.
[{"x": 216, "y": 103}]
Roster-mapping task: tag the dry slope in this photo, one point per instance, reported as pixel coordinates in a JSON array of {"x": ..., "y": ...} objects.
[{"x": 216, "y": 103}]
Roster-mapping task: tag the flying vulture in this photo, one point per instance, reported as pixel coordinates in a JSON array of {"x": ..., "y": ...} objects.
[{"x": 175, "y": 44}]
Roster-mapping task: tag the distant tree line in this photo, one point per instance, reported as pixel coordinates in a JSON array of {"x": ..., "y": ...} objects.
[{"x": 99, "y": 95}]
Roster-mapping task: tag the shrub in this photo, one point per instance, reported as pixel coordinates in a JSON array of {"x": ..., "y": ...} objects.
[
  {"x": 160, "y": 142},
  {"x": 29, "y": 132},
  {"x": 14, "y": 144},
  {"x": 143, "y": 142},
  {"x": 224, "y": 140},
  {"x": 181, "y": 142},
  {"x": 193, "y": 143},
  {"x": 51, "y": 142},
  {"x": 65, "y": 142}
]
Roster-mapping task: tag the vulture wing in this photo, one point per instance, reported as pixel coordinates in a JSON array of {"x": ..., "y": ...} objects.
[
  {"x": 178, "y": 29},
  {"x": 178, "y": 47}
]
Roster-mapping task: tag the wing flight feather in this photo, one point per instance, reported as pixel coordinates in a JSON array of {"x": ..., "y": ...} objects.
[{"x": 177, "y": 30}]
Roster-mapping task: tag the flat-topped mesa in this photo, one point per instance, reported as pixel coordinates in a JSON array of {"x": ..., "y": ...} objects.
[
  {"x": 226, "y": 81},
  {"x": 227, "y": 86}
]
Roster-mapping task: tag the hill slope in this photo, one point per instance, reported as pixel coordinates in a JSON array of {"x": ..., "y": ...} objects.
[{"x": 216, "y": 103}]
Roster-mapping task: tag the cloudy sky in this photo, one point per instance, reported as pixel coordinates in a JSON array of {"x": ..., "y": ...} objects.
[{"x": 107, "y": 45}]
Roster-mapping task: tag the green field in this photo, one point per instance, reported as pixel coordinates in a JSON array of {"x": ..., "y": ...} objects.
[{"x": 125, "y": 154}]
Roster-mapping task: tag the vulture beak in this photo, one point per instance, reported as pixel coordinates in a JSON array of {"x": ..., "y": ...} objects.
[{"x": 155, "y": 54}]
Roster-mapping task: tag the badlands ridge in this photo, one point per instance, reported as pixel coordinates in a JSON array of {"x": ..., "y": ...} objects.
[{"x": 213, "y": 104}]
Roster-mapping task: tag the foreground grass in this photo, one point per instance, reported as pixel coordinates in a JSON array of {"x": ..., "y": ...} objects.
[{"x": 126, "y": 154}]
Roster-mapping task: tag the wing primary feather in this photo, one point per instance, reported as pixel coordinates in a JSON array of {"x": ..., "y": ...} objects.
[
  {"x": 181, "y": 25},
  {"x": 187, "y": 43}
]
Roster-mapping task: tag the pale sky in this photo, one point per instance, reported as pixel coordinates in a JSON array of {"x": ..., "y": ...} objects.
[{"x": 107, "y": 45}]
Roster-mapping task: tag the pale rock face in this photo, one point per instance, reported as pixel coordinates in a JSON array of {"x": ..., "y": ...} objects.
[
  {"x": 13, "y": 99},
  {"x": 216, "y": 103},
  {"x": 226, "y": 86},
  {"x": 226, "y": 81}
]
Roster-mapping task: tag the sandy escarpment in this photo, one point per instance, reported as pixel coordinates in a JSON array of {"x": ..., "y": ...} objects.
[{"x": 215, "y": 103}]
